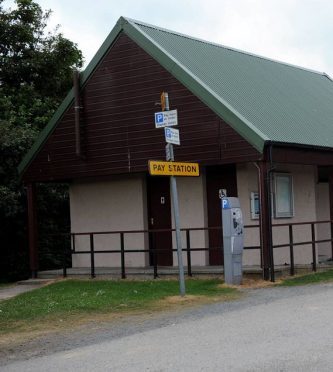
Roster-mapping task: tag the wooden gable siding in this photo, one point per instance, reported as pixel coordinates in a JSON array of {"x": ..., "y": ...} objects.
[{"x": 118, "y": 120}]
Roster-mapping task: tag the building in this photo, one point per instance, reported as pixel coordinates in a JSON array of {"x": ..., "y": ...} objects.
[{"x": 260, "y": 129}]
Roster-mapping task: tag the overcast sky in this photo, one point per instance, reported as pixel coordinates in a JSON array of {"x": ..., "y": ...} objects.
[{"x": 294, "y": 31}]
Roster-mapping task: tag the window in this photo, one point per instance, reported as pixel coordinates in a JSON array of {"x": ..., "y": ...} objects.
[
  {"x": 255, "y": 207},
  {"x": 283, "y": 195}
]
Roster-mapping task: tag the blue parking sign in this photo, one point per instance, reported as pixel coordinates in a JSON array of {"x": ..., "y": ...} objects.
[
  {"x": 159, "y": 118},
  {"x": 166, "y": 118}
]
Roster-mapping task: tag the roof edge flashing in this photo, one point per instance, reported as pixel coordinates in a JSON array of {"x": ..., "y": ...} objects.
[
  {"x": 327, "y": 76},
  {"x": 85, "y": 75},
  {"x": 46, "y": 132}
]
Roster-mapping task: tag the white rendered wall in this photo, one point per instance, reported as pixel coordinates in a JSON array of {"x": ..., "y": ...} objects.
[
  {"x": 247, "y": 182},
  {"x": 121, "y": 204},
  {"x": 304, "y": 210},
  {"x": 109, "y": 206}
]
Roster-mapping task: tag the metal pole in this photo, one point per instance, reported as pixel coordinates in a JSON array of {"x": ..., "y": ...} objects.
[
  {"x": 291, "y": 247},
  {"x": 314, "y": 256},
  {"x": 122, "y": 255},
  {"x": 175, "y": 205},
  {"x": 174, "y": 194},
  {"x": 92, "y": 257}
]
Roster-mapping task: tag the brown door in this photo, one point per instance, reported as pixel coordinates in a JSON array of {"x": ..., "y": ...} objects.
[
  {"x": 218, "y": 177},
  {"x": 159, "y": 217}
]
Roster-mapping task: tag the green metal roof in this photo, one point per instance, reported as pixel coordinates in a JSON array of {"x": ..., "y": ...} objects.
[{"x": 262, "y": 99}]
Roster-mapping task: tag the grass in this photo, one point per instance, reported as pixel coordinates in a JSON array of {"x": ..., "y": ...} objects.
[
  {"x": 73, "y": 299},
  {"x": 312, "y": 278}
]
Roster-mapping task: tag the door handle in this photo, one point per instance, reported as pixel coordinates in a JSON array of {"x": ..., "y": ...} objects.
[{"x": 151, "y": 221}]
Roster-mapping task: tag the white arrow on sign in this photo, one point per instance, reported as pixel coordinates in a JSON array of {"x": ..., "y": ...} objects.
[
  {"x": 172, "y": 135},
  {"x": 166, "y": 119}
]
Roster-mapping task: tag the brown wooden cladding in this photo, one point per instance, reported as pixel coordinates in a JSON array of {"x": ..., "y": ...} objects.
[
  {"x": 302, "y": 155},
  {"x": 119, "y": 102}
]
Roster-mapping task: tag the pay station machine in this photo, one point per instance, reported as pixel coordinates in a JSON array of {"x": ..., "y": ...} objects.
[{"x": 233, "y": 241}]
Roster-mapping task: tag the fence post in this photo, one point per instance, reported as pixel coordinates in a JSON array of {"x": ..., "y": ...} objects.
[
  {"x": 291, "y": 246},
  {"x": 313, "y": 238},
  {"x": 188, "y": 250},
  {"x": 92, "y": 256},
  {"x": 73, "y": 245},
  {"x": 122, "y": 253},
  {"x": 154, "y": 256},
  {"x": 64, "y": 265}
]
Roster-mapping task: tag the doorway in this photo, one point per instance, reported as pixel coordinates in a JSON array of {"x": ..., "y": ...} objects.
[
  {"x": 218, "y": 177},
  {"x": 159, "y": 217}
]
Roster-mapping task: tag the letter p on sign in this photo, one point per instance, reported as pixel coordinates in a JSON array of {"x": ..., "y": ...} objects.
[{"x": 225, "y": 204}]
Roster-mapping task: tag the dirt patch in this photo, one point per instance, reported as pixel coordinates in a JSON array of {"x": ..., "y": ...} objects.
[
  {"x": 183, "y": 299},
  {"x": 249, "y": 283}
]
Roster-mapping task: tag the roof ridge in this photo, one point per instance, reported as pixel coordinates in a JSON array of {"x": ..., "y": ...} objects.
[{"x": 226, "y": 47}]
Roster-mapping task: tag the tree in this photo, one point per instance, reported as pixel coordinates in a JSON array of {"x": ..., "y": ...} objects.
[{"x": 35, "y": 74}]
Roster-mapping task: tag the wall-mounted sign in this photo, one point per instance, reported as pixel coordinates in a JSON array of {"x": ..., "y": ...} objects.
[
  {"x": 166, "y": 119},
  {"x": 168, "y": 168}
]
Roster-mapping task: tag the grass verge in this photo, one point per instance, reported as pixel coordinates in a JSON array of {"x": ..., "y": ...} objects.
[
  {"x": 68, "y": 301},
  {"x": 324, "y": 276}
]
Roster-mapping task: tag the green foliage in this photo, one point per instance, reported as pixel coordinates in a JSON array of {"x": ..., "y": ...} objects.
[
  {"x": 69, "y": 299},
  {"x": 312, "y": 278},
  {"x": 35, "y": 74}
]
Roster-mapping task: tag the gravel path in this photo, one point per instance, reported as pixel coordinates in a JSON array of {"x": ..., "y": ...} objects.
[{"x": 278, "y": 329}]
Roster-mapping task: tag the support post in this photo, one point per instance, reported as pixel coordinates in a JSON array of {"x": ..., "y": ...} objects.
[
  {"x": 32, "y": 229},
  {"x": 188, "y": 250},
  {"x": 314, "y": 254},
  {"x": 291, "y": 250},
  {"x": 265, "y": 218},
  {"x": 330, "y": 179},
  {"x": 92, "y": 256},
  {"x": 122, "y": 254}
]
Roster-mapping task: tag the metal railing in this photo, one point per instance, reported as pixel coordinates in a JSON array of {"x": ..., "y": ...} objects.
[
  {"x": 291, "y": 244},
  {"x": 123, "y": 251}
]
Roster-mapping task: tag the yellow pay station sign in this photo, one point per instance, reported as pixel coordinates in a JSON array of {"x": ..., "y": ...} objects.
[{"x": 168, "y": 168}]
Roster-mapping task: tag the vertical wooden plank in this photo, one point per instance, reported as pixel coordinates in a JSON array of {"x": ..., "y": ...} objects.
[
  {"x": 32, "y": 229},
  {"x": 265, "y": 218}
]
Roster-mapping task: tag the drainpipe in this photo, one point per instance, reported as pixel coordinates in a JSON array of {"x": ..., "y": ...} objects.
[
  {"x": 260, "y": 227},
  {"x": 76, "y": 85},
  {"x": 270, "y": 235},
  {"x": 265, "y": 170}
]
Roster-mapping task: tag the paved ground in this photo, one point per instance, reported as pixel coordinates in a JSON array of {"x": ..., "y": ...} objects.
[
  {"x": 275, "y": 329},
  {"x": 24, "y": 286}
]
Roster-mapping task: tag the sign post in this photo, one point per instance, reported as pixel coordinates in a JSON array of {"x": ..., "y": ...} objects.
[{"x": 174, "y": 197}]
